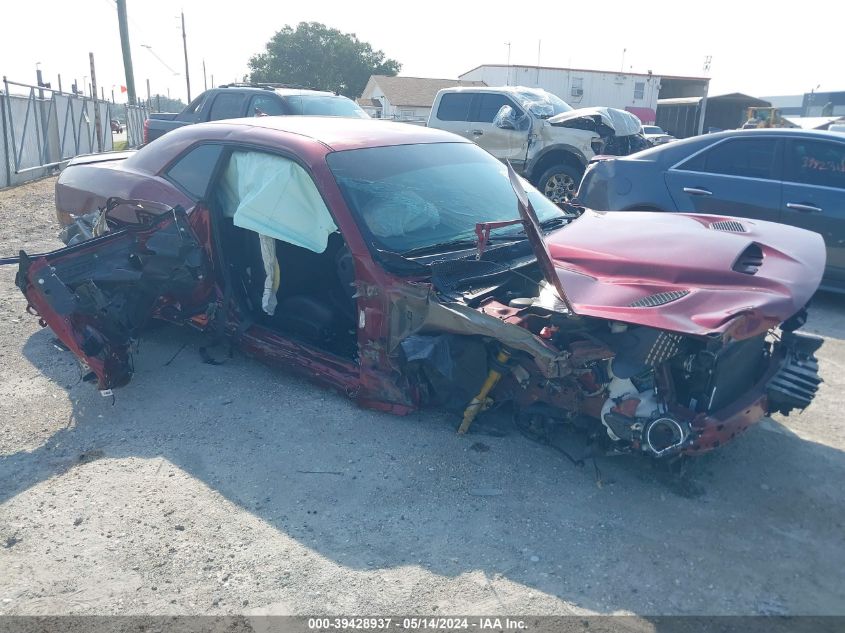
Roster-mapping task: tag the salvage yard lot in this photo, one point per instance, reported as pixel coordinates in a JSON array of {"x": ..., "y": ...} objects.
[{"x": 239, "y": 488}]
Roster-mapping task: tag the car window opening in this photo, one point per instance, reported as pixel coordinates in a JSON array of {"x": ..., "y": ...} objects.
[{"x": 290, "y": 263}]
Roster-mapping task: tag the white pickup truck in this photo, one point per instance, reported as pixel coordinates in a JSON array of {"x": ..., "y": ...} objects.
[{"x": 542, "y": 136}]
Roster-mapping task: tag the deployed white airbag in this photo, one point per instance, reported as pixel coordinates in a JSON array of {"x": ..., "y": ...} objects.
[
  {"x": 272, "y": 272},
  {"x": 275, "y": 197},
  {"x": 403, "y": 213}
]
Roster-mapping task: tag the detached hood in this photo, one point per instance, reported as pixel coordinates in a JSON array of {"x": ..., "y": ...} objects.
[
  {"x": 692, "y": 274},
  {"x": 605, "y": 121}
]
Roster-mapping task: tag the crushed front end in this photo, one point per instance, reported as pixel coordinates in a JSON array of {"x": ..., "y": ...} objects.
[
  {"x": 665, "y": 394},
  {"x": 631, "y": 388},
  {"x": 663, "y": 351}
]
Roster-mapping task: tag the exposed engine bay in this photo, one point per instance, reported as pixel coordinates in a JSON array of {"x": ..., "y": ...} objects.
[{"x": 632, "y": 388}]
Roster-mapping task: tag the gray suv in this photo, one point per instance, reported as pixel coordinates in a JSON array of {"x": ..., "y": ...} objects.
[{"x": 789, "y": 176}]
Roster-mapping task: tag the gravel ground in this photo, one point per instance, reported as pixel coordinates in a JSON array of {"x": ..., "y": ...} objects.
[{"x": 241, "y": 489}]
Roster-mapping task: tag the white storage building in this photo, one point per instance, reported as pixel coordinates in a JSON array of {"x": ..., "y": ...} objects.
[{"x": 636, "y": 92}]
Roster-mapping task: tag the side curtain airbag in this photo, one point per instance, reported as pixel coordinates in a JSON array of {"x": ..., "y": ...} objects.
[{"x": 275, "y": 197}]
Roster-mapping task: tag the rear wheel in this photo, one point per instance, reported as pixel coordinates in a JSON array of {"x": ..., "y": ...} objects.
[{"x": 560, "y": 182}]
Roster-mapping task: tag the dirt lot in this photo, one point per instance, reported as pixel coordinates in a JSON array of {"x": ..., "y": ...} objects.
[{"x": 240, "y": 489}]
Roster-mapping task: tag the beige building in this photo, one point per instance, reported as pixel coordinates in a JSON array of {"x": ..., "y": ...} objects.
[{"x": 404, "y": 98}]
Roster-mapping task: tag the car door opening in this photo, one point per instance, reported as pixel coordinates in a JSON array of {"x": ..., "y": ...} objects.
[{"x": 290, "y": 265}]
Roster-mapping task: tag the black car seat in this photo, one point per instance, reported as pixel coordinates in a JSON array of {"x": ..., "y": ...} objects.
[{"x": 316, "y": 293}]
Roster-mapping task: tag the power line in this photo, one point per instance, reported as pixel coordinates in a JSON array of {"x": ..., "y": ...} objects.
[{"x": 163, "y": 63}]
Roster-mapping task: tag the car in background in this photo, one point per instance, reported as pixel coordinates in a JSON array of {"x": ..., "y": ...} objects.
[
  {"x": 116, "y": 127},
  {"x": 406, "y": 266},
  {"x": 793, "y": 177},
  {"x": 233, "y": 101},
  {"x": 655, "y": 135},
  {"x": 542, "y": 136}
]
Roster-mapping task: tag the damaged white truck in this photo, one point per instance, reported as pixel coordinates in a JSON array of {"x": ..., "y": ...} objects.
[{"x": 542, "y": 136}]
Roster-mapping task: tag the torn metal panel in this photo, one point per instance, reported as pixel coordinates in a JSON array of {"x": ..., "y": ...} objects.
[
  {"x": 424, "y": 313},
  {"x": 605, "y": 121},
  {"x": 97, "y": 295}
]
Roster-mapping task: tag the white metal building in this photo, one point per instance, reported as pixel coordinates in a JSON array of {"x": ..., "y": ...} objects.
[{"x": 635, "y": 92}]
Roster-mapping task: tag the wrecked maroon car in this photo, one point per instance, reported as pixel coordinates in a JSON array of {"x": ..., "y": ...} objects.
[{"x": 406, "y": 266}]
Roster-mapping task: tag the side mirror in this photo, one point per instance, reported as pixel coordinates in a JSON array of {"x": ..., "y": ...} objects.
[
  {"x": 505, "y": 118},
  {"x": 509, "y": 118}
]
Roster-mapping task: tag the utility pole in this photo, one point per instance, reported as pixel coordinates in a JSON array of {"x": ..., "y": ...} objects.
[
  {"x": 508, "y": 82},
  {"x": 185, "y": 46},
  {"x": 96, "y": 105},
  {"x": 39, "y": 80},
  {"x": 148, "y": 93},
  {"x": 127, "y": 53},
  {"x": 204, "y": 77}
]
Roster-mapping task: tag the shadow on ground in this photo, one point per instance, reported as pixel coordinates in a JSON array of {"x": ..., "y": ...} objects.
[
  {"x": 827, "y": 315},
  {"x": 374, "y": 491}
]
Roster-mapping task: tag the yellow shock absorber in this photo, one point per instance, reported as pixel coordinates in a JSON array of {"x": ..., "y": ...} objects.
[{"x": 478, "y": 403}]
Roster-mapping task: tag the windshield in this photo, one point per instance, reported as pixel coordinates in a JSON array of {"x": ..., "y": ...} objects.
[
  {"x": 325, "y": 105},
  {"x": 540, "y": 103},
  {"x": 415, "y": 196}
]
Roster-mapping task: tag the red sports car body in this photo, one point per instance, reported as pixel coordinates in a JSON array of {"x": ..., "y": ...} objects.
[{"x": 658, "y": 333}]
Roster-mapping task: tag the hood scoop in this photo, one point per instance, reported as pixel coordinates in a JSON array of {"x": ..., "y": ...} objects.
[
  {"x": 731, "y": 226},
  {"x": 750, "y": 260}
]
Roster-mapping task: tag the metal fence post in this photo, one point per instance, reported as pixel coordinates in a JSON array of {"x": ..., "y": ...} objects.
[{"x": 3, "y": 107}]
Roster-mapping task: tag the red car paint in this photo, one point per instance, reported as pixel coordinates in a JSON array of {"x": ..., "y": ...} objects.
[
  {"x": 601, "y": 263},
  {"x": 661, "y": 253}
]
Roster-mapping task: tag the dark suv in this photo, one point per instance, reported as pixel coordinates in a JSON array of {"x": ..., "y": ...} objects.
[
  {"x": 793, "y": 177},
  {"x": 233, "y": 101}
]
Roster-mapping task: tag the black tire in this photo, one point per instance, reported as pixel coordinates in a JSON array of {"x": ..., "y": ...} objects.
[{"x": 559, "y": 183}]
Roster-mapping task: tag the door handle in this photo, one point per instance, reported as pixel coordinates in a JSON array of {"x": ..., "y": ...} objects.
[
  {"x": 695, "y": 191},
  {"x": 477, "y": 132},
  {"x": 806, "y": 208}
]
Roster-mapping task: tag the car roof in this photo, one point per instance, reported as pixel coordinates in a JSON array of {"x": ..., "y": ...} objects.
[
  {"x": 339, "y": 133},
  {"x": 302, "y": 92},
  {"x": 774, "y": 131},
  {"x": 311, "y": 137},
  {"x": 281, "y": 90},
  {"x": 680, "y": 149}
]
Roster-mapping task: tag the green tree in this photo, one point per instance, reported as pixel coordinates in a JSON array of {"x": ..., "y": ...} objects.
[
  {"x": 163, "y": 103},
  {"x": 317, "y": 56}
]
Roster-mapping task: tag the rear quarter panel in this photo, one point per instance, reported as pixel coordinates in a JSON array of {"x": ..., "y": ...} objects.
[{"x": 84, "y": 188}]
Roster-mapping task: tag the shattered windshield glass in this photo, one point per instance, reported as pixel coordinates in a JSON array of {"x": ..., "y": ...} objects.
[
  {"x": 540, "y": 103},
  {"x": 414, "y": 196}
]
